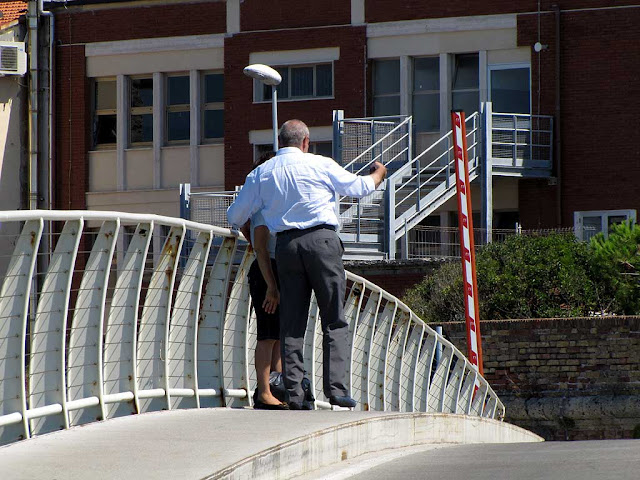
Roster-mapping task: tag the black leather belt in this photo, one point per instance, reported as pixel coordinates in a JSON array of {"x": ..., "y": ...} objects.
[{"x": 322, "y": 226}]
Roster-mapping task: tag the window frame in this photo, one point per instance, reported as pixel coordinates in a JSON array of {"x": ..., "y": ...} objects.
[
  {"x": 181, "y": 107},
  {"x": 508, "y": 66},
  {"x": 397, "y": 95},
  {"x": 258, "y": 86},
  {"x": 578, "y": 219},
  {"x": 464, "y": 90},
  {"x": 104, "y": 111},
  {"x": 146, "y": 110},
  {"x": 204, "y": 106},
  {"x": 415, "y": 92}
]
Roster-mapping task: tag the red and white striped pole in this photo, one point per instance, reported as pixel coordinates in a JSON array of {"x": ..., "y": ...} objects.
[{"x": 467, "y": 247}]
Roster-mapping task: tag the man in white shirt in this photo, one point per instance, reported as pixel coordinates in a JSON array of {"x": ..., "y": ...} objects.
[{"x": 296, "y": 191}]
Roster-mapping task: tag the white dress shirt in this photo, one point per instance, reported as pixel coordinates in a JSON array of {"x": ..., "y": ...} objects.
[{"x": 296, "y": 190}]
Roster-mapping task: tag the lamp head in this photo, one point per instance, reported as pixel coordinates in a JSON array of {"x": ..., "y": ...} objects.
[{"x": 264, "y": 73}]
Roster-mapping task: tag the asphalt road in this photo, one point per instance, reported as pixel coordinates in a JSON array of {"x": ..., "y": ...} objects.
[{"x": 589, "y": 460}]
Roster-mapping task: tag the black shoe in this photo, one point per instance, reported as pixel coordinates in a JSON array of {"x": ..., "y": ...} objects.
[
  {"x": 267, "y": 406},
  {"x": 346, "y": 402},
  {"x": 300, "y": 406}
]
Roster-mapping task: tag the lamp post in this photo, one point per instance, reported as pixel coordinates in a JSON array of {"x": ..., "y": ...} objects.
[{"x": 268, "y": 76}]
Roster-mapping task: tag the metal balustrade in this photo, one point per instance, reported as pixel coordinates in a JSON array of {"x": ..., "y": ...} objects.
[{"x": 135, "y": 313}]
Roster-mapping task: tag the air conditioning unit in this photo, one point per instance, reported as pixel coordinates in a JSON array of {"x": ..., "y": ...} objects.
[{"x": 13, "y": 58}]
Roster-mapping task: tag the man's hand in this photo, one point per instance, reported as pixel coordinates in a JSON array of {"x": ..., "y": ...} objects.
[
  {"x": 377, "y": 171},
  {"x": 271, "y": 300}
]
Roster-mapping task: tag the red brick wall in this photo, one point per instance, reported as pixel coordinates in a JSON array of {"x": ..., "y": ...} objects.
[
  {"x": 395, "y": 277},
  {"x": 72, "y": 128},
  {"x": 597, "y": 80},
  {"x": 262, "y": 15},
  {"x": 242, "y": 115},
  {"x": 563, "y": 378},
  {"x": 144, "y": 21}
]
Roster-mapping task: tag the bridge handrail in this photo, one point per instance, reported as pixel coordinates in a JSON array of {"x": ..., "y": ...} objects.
[{"x": 77, "y": 344}]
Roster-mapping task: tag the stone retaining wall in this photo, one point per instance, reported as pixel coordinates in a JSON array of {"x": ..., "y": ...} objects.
[{"x": 576, "y": 378}]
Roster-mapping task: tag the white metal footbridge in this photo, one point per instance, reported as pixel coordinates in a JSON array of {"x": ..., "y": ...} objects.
[{"x": 106, "y": 314}]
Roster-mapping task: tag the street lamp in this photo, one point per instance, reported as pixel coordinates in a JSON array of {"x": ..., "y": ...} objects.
[{"x": 268, "y": 76}]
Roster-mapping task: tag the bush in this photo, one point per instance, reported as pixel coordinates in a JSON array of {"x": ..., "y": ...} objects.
[
  {"x": 523, "y": 277},
  {"x": 617, "y": 260}
]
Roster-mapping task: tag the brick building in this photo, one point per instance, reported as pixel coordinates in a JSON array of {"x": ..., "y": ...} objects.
[{"x": 150, "y": 93}]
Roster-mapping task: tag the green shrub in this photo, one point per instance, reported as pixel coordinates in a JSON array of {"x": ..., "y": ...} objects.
[
  {"x": 617, "y": 261},
  {"x": 523, "y": 277}
]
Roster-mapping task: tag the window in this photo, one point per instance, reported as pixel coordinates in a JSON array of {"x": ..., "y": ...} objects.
[
  {"x": 213, "y": 106},
  {"x": 386, "y": 87},
  {"x": 141, "y": 110},
  {"x": 299, "y": 82},
  {"x": 426, "y": 94},
  {"x": 510, "y": 90},
  {"x": 319, "y": 148},
  {"x": 465, "y": 88},
  {"x": 588, "y": 224},
  {"x": 104, "y": 107},
  {"x": 178, "y": 114}
]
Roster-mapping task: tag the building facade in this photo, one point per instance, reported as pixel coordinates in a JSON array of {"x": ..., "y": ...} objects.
[{"x": 151, "y": 94}]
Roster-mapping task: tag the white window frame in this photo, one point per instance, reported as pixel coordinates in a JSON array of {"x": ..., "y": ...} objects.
[
  {"x": 209, "y": 106},
  {"x": 138, "y": 110},
  {"x": 183, "y": 107},
  {"x": 452, "y": 76},
  {"x": 604, "y": 215},
  {"x": 105, "y": 111},
  {"x": 415, "y": 93},
  {"x": 258, "y": 86},
  {"x": 386, "y": 95},
  {"x": 508, "y": 66}
]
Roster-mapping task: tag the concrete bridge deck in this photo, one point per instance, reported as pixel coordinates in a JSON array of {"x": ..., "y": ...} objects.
[{"x": 237, "y": 443}]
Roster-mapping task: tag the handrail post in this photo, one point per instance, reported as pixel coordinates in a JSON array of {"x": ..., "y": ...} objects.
[
  {"x": 448, "y": 167},
  {"x": 405, "y": 242},
  {"x": 338, "y": 131},
  {"x": 185, "y": 201},
  {"x": 358, "y": 220},
  {"x": 487, "y": 174},
  {"x": 390, "y": 218}
]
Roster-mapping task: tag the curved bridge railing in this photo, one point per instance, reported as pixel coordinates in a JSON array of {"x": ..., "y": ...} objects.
[{"x": 115, "y": 314}]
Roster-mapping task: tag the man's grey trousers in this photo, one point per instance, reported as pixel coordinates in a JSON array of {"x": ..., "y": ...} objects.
[{"x": 312, "y": 260}]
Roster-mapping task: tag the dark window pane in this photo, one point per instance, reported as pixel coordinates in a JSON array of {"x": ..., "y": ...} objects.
[
  {"x": 323, "y": 148},
  {"x": 426, "y": 74},
  {"x": 426, "y": 112},
  {"x": 105, "y": 95},
  {"x": 105, "y": 130},
  {"x": 213, "y": 123},
  {"x": 386, "y": 77},
  {"x": 302, "y": 82},
  {"x": 466, "y": 74},
  {"x": 510, "y": 90},
  {"x": 324, "y": 80},
  {"x": 283, "y": 88},
  {"x": 142, "y": 92},
  {"x": 214, "y": 88},
  {"x": 178, "y": 126},
  {"x": 142, "y": 128},
  {"x": 178, "y": 90},
  {"x": 467, "y": 101},
  {"x": 386, "y": 106}
]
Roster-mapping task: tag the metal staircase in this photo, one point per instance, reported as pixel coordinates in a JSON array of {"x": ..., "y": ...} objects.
[
  {"x": 516, "y": 145},
  {"x": 414, "y": 188}
]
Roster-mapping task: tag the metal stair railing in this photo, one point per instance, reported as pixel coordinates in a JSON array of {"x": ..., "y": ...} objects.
[
  {"x": 415, "y": 191},
  {"x": 111, "y": 328},
  {"x": 360, "y": 219}
]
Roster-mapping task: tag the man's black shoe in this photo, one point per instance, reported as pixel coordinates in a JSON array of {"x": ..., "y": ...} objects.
[
  {"x": 299, "y": 406},
  {"x": 346, "y": 402}
]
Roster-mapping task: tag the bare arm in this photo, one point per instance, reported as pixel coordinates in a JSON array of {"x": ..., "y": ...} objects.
[
  {"x": 261, "y": 239},
  {"x": 246, "y": 231}
]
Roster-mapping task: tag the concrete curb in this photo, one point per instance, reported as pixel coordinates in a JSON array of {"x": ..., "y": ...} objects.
[{"x": 335, "y": 444}]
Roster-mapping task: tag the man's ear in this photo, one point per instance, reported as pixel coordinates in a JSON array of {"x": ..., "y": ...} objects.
[{"x": 305, "y": 145}]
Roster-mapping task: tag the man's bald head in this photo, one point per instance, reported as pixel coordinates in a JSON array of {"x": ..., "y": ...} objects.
[{"x": 293, "y": 133}]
